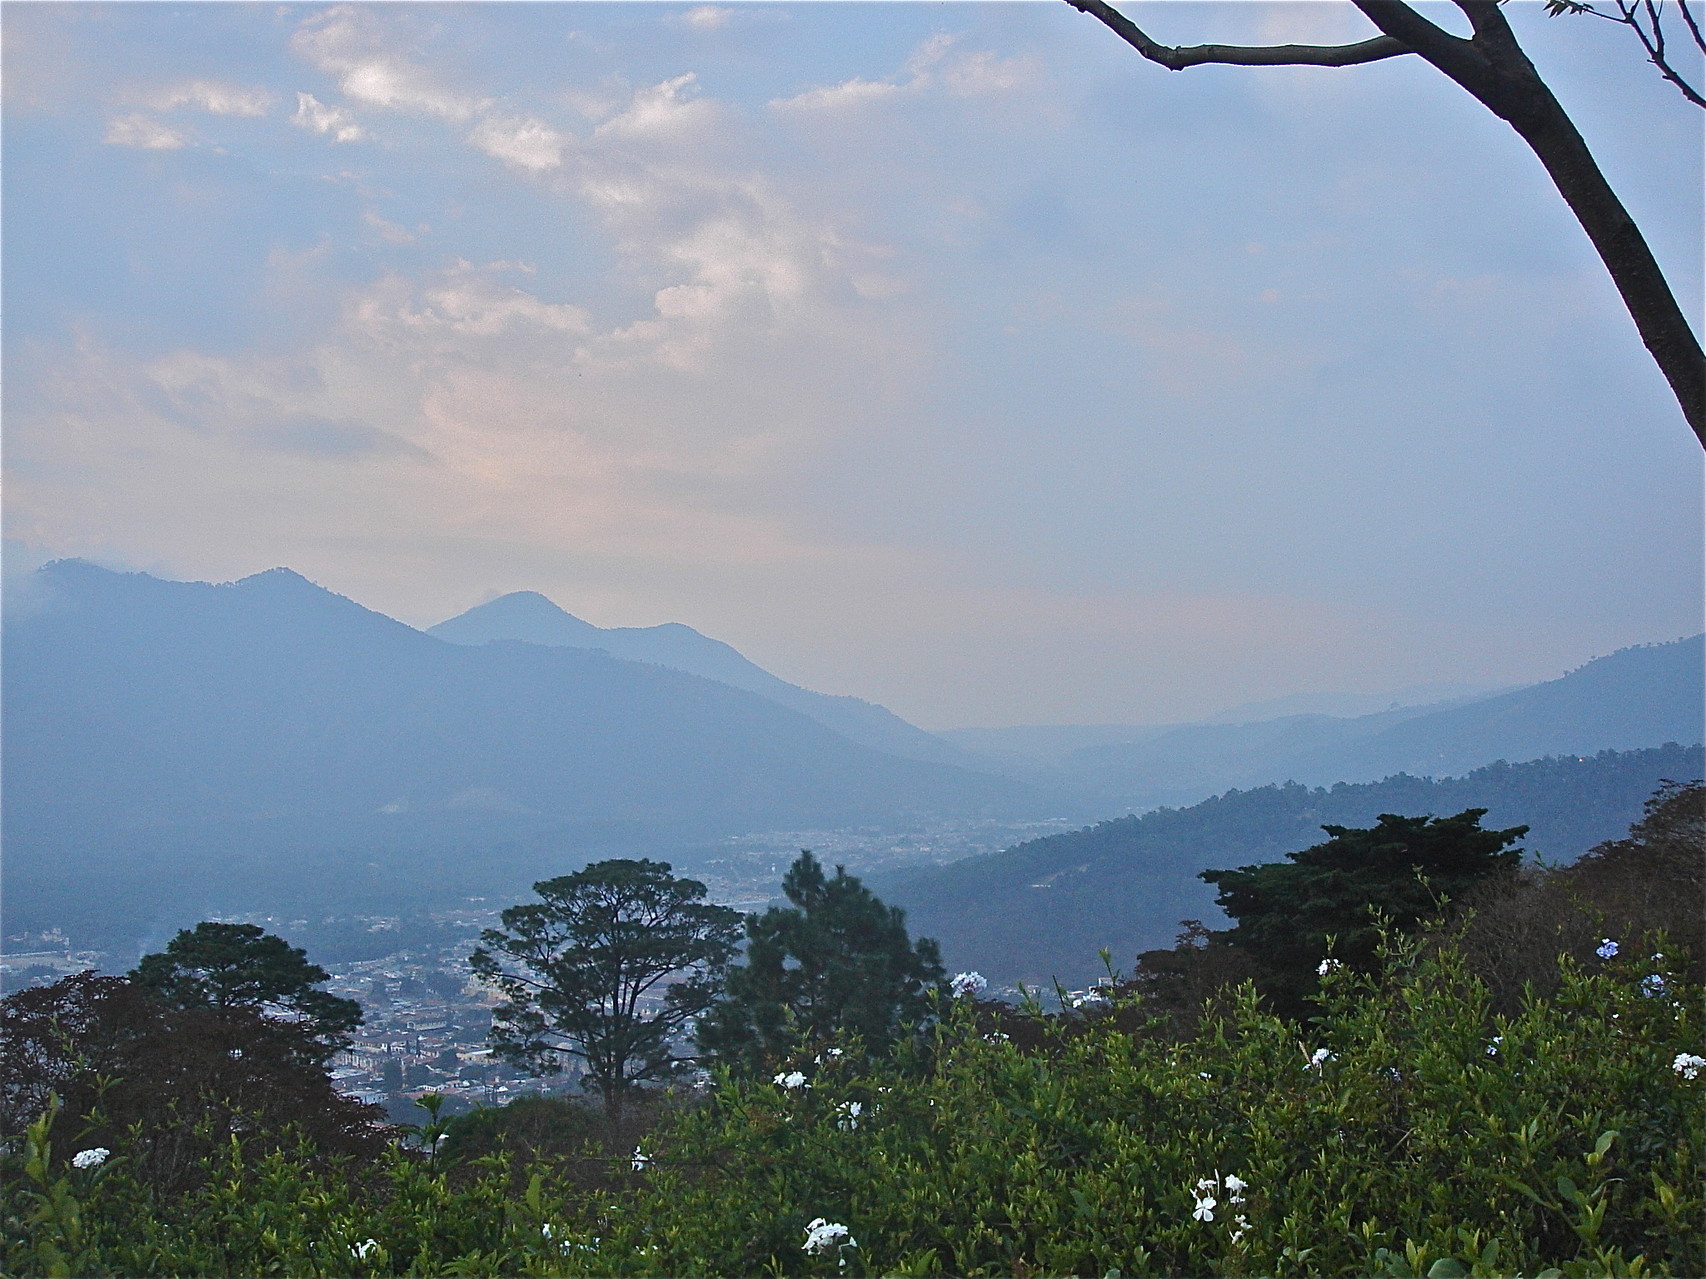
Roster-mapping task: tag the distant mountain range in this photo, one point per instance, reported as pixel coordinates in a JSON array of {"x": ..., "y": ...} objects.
[
  {"x": 530, "y": 617},
  {"x": 165, "y": 736},
  {"x": 1041, "y": 910},
  {"x": 178, "y": 747},
  {"x": 1635, "y": 697}
]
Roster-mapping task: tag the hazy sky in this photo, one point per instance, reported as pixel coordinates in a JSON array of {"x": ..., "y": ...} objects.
[{"x": 949, "y": 355}]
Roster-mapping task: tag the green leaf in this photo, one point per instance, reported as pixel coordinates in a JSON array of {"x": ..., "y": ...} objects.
[{"x": 1447, "y": 1268}]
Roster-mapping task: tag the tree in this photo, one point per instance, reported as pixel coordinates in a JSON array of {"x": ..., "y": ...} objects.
[
  {"x": 609, "y": 966},
  {"x": 1343, "y": 890},
  {"x": 837, "y": 962},
  {"x": 229, "y": 966},
  {"x": 167, "y": 1086},
  {"x": 1493, "y": 68}
]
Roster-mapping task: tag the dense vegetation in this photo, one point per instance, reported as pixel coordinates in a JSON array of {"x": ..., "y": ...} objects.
[
  {"x": 1043, "y": 909},
  {"x": 1419, "y": 1118}
]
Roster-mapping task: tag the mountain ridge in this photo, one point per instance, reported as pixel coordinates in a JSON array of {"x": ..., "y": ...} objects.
[{"x": 534, "y": 618}]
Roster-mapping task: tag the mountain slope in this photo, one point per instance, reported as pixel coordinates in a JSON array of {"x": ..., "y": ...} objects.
[
  {"x": 531, "y": 617},
  {"x": 1043, "y": 908},
  {"x": 148, "y": 720},
  {"x": 1632, "y": 698}
]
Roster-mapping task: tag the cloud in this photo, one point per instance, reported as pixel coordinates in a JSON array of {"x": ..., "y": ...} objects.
[
  {"x": 666, "y": 112},
  {"x": 314, "y": 115},
  {"x": 354, "y": 45},
  {"x": 933, "y": 65},
  {"x": 214, "y": 96},
  {"x": 523, "y": 142},
  {"x": 137, "y": 130},
  {"x": 707, "y": 17}
]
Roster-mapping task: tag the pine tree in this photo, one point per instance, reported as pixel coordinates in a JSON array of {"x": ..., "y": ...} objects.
[{"x": 835, "y": 964}]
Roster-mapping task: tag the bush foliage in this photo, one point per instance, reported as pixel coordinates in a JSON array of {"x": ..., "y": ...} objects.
[{"x": 1408, "y": 1131}]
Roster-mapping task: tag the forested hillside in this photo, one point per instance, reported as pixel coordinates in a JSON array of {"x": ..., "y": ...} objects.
[{"x": 1041, "y": 910}]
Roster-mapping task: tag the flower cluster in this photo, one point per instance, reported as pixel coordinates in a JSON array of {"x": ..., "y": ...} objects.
[
  {"x": 1607, "y": 949},
  {"x": 367, "y": 1247},
  {"x": 965, "y": 984},
  {"x": 1652, "y": 985},
  {"x": 790, "y": 1079},
  {"x": 642, "y": 1160},
  {"x": 92, "y": 1158},
  {"x": 1320, "y": 1057},
  {"x": 1493, "y": 1048},
  {"x": 1327, "y": 966},
  {"x": 1688, "y": 1065},
  {"x": 1204, "y": 1193},
  {"x": 822, "y": 1236},
  {"x": 847, "y": 1115}
]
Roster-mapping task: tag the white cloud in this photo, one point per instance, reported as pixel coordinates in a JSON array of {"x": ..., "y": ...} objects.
[
  {"x": 316, "y": 116},
  {"x": 137, "y": 130},
  {"x": 933, "y": 65},
  {"x": 526, "y": 143},
  {"x": 214, "y": 96},
  {"x": 354, "y": 45},
  {"x": 707, "y": 17},
  {"x": 849, "y": 93},
  {"x": 661, "y": 112}
]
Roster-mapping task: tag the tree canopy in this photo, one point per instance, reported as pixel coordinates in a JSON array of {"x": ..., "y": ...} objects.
[
  {"x": 228, "y": 966},
  {"x": 1335, "y": 896},
  {"x": 609, "y": 966},
  {"x": 836, "y": 962}
]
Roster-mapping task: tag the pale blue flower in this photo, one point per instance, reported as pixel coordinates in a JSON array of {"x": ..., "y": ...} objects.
[
  {"x": 965, "y": 984},
  {"x": 1652, "y": 985},
  {"x": 91, "y": 1158},
  {"x": 1607, "y": 949}
]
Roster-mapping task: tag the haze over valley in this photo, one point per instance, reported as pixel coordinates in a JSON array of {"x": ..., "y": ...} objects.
[{"x": 267, "y": 748}]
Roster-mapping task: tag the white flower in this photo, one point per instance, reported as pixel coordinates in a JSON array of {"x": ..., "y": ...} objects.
[
  {"x": 641, "y": 1160},
  {"x": 1327, "y": 966},
  {"x": 997, "y": 1037},
  {"x": 823, "y": 1235},
  {"x": 1205, "y": 1209},
  {"x": 1318, "y": 1058},
  {"x": 1493, "y": 1048},
  {"x": 1236, "y": 1186},
  {"x": 849, "y": 1112},
  {"x": 967, "y": 984},
  {"x": 1208, "y": 1183},
  {"x": 791, "y": 1079},
  {"x": 92, "y": 1158},
  {"x": 547, "y": 1231},
  {"x": 1607, "y": 948},
  {"x": 1688, "y": 1065},
  {"x": 367, "y": 1247}
]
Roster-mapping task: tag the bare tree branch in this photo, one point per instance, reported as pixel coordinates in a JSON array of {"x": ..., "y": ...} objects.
[
  {"x": 1493, "y": 68},
  {"x": 1276, "y": 55},
  {"x": 1629, "y": 15}
]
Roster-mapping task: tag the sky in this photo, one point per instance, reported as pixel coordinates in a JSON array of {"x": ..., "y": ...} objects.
[{"x": 948, "y": 355}]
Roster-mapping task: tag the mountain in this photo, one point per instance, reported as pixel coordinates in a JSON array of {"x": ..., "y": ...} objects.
[
  {"x": 529, "y": 616},
  {"x": 1632, "y": 698},
  {"x": 171, "y": 737},
  {"x": 1042, "y": 909}
]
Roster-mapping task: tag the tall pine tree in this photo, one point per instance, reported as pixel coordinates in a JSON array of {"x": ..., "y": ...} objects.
[{"x": 835, "y": 964}]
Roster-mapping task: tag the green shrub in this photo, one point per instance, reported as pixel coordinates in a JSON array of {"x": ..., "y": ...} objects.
[{"x": 1407, "y": 1131}]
